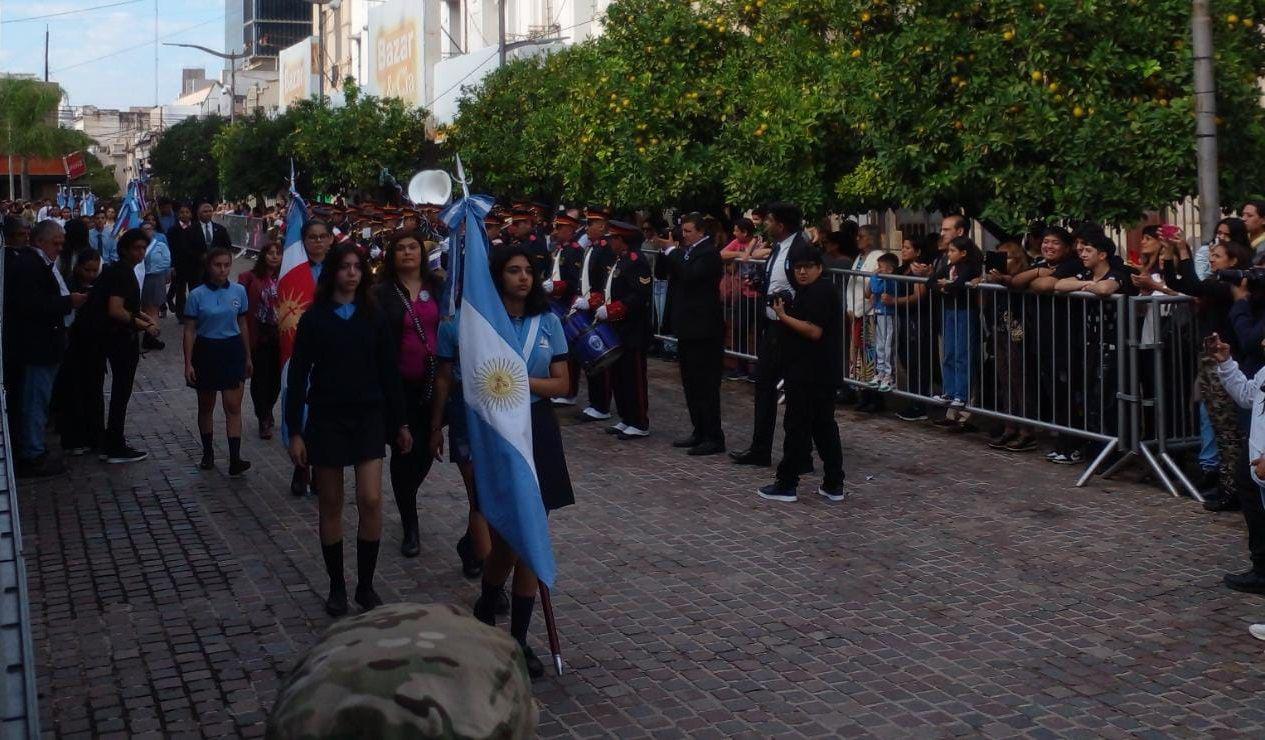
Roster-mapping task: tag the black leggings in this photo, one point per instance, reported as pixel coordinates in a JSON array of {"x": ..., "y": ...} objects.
[
  {"x": 265, "y": 384},
  {"x": 409, "y": 470}
]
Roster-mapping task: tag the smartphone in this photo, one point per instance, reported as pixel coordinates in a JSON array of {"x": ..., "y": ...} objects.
[
  {"x": 1169, "y": 232},
  {"x": 994, "y": 261}
]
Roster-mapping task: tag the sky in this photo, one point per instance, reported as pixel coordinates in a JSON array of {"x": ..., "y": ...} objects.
[{"x": 105, "y": 56}]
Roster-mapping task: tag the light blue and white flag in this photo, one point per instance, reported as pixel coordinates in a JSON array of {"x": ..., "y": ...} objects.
[
  {"x": 89, "y": 205},
  {"x": 498, "y": 404}
]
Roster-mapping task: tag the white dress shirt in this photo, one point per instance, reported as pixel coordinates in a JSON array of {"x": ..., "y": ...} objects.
[
  {"x": 779, "y": 281},
  {"x": 69, "y": 318}
]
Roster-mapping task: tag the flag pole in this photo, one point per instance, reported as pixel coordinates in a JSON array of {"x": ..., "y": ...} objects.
[{"x": 546, "y": 605}]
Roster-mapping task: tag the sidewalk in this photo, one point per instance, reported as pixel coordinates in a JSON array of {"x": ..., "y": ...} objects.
[{"x": 960, "y": 591}]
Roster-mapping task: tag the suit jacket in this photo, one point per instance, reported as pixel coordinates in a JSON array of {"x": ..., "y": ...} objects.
[
  {"x": 694, "y": 309},
  {"x": 36, "y": 312},
  {"x": 183, "y": 253},
  {"x": 628, "y": 302},
  {"x": 799, "y": 243},
  {"x": 219, "y": 238}
]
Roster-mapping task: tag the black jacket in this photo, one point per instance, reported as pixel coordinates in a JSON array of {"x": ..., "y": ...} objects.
[
  {"x": 36, "y": 311},
  {"x": 568, "y": 259},
  {"x": 391, "y": 307},
  {"x": 694, "y": 306},
  {"x": 219, "y": 239},
  {"x": 184, "y": 255},
  {"x": 628, "y": 305}
]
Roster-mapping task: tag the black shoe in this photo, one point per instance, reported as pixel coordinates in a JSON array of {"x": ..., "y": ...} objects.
[
  {"x": 40, "y": 468},
  {"x": 502, "y": 604},
  {"x": 367, "y": 598},
  {"x": 914, "y": 413},
  {"x": 1250, "y": 582},
  {"x": 751, "y": 457},
  {"x": 237, "y": 467},
  {"x": 1221, "y": 502},
  {"x": 999, "y": 441},
  {"x": 409, "y": 546},
  {"x": 298, "y": 483},
  {"x": 1208, "y": 479},
  {"x": 706, "y": 448},
  {"x": 485, "y": 612},
  {"x": 471, "y": 566},
  {"x": 336, "y": 604},
  {"x": 124, "y": 454},
  {"x": 685, "y": 442},
  {"x": 535, "y": 668},
  {"x": 208, "y": 463}
]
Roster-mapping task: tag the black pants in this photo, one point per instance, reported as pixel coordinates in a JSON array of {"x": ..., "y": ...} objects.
[
  {"x": 810, "y": 420},
  {"x": 122, "y": 353},
  {"x": 768, "y": 371},
  {"x": 702, "y": 362},
  {"x": 628, "y": 376},
  {"x": 265, "y": 384},
  {"x": 82, "y": 408},
  {"x": 600, "y": 390},
  {"x": 182, "y": 283},
  {"x": 409, "y": 470}
]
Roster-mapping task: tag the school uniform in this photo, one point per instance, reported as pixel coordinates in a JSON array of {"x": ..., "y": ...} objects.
[
  {"x": 345, "y": 357},
  {"x": 594, "y": 269},
  {"x": 626, "y": 298},
  {"x": 219, "y": 356}
]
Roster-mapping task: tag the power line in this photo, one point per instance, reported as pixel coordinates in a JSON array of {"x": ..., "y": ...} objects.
[
  {"x": 173, "y": 34},
  {"x": 69, "y": 12}
]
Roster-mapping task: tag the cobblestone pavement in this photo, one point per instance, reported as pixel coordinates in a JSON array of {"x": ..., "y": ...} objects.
[{"x": 958, "y": 592}]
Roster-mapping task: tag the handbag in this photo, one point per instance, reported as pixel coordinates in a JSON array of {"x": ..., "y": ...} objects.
[{"x": 432, "y": 364}]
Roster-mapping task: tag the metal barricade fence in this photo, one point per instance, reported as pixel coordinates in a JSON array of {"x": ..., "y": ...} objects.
[{"x": 246, "y": 233}]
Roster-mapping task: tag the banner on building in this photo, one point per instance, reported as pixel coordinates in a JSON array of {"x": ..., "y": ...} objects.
[
  {"x": 397, "y": 62},
  {"x": 75, "y": 165},
  {"x": 296, "y": 73}
]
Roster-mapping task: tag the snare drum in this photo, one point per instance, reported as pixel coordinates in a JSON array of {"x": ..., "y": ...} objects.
[{"x": 594, "y": 343}]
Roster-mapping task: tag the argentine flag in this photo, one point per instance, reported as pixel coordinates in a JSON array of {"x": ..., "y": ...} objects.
[{"x": 498, "y": 405}]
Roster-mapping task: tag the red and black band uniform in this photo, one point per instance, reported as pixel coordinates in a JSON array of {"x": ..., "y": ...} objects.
[
  {"x": 566, "y": 262},
  {"x": 627, "y": 295},
  {"x": 599, "y": 259}
]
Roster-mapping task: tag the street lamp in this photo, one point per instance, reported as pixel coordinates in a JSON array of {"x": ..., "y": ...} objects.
[
  {"x": 232, "y": 73},
  {"x": 320, "y": 36}
]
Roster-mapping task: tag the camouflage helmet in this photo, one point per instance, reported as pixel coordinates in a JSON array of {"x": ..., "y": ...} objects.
[{"x": 408, "y": 671}]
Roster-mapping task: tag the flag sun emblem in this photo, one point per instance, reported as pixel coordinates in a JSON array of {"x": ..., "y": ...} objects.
[{"x": 500, "y": 382}]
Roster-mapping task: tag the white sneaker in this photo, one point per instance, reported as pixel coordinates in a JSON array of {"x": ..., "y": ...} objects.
[
  {"x": 837, "y": 494},
  {"x": 594, "y": 414},
  {"x": 1258, "y": 631},
  {"x": 885, "y": 386},
  {"x": 957, "y": 403},
  {"x": 560, "y": 401},
  {"x": 630, "y": 431}
]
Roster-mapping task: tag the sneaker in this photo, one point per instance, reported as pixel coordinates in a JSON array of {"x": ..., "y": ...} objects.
[
  {"x": 1022, "y": 443},
  {"x": 913, "y": 413},
  {"x": 591, "y": 414},
  {"x": 124, "y": 454},
  {"x": 562, "y": 401},
  {"x": 941, "y": 398},
  {"x": 775, "y": 492},
  {"x": 1052, "y": 454},
  {"x": 237, "y": 467},
  {"x": 957, "y": 403},
  {"x": 1000, "y": 442},
  {"x": 631, "y": 432},
  {"x": 616, "y": 428},
  {"x": 1067, "y": 458},
  {"x": 872, "y": 383},
  {"x": 833, "y": 494},
  {"x": 885, "y": 386}
]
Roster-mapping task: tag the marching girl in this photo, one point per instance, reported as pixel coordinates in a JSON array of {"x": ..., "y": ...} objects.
[
  {"x": 526, "y": 304},
  {"x": 345, "y": 356},
  {"x": 408, "y": 295}
]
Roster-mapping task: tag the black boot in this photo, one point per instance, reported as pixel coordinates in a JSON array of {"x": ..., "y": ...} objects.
[
  {"x": 208, "y": 453},
  {"x": 236, "y": 465},
  {"x": 521, "y": 608},
  {"x": 298, "y": 482},
  {"x": 485, "y": 607},
  {"x": 366, "y": 564},
  {"x": 471, "y": 566},
  {"x": 407, "y": 504},
  {"x": 336, "y": 604}
]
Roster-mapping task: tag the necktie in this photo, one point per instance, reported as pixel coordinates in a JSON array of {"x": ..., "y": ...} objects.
[
  {"x": 99, "y": 241},
  {"x": 206, "y": 229}
]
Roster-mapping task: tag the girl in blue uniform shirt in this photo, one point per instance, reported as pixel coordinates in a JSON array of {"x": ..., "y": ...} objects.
[
  {"x": 217, "y": 355},
  {"x": 526, "y": 304}
]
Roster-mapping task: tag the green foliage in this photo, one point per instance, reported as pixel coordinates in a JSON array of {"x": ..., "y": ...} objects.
[
  {"x": 344, "y": 149},
  {"x": 1006, "y": 109},
  {"x": 250, "y": 155},
  {"x": 183, "y": 161},
  {"x": 99, "y": 178}
]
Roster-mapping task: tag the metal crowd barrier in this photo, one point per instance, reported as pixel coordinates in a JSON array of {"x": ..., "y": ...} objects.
[
  {"x": 19, "y": 709},
  {"x": 246, "y": 233},
  {"x": 1118, "y": 372}
]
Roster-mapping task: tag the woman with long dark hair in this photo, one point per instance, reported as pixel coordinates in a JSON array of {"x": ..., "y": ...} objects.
[
  {"x": 528, "y": 309},
  {"x": 260, "y": 283},
  {"x": 959, "y": 329},
  {"x": 345, "y": 356},
  {"x": 408, "y": 295},
  {"x": 217, "y": 355}
]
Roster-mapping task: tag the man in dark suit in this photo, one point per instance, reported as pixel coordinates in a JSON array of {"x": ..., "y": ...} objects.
[
  {"x": 782, "y": 226},
  {"x": 180, "y": 238},
  {"x": 696, "y": 318},
  {"x": 36, "y": 317}
]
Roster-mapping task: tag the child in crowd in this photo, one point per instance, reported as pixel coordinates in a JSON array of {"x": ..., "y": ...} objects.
[{"x": 884, "y": 320}]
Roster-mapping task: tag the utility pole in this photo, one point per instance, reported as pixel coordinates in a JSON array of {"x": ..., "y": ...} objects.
[
  {"x": 232, "y": 72},
  {"x": 46, "y": 52},
  {"x": 320, "y": 40},
  {"x": 501, "y": 29},
  {"x": 1205, "y": 120}
]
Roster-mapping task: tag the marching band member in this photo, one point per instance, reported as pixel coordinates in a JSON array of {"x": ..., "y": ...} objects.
[
  {"x": 593, "y": 272},
  {"x": 566, "y": 260},
  {"x": 523, "y": 234},
  {"x": 625, "y": 303}
]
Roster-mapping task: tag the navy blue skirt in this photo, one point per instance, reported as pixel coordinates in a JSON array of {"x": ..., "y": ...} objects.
[{"x": 220, "y": 364}]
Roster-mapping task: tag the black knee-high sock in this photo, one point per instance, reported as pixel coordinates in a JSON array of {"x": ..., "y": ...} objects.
[
  {"x": 234, "y": 448},
  {"x": 366, "y": 563},
  {"x": 485, "y": 607},
  {"x": 406, "y": 502},
  {"x": 208, "y": 451},
  {"x": 334, "y": 566},
  {"x": 521, "y": 608}
]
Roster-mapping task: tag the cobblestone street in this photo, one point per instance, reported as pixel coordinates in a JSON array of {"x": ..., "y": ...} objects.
[{"x": 960, "y": 591}]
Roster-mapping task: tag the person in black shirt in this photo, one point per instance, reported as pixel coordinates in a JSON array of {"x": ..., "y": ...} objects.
[
  {"x": 81, "y": 406},
  {"x": 345, "y": 355},
  {"x": 813, "y": 368},
  {"x": 116, "y": 307}
]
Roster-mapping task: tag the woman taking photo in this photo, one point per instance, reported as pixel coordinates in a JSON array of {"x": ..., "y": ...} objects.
[
  {"x": 408, "y": 295},
  {"x": 345, "y": 355},
  {"x": 529, "y": 312},
  {"x": 260, "y": 283},
  {"x": 217, "y": 355}
]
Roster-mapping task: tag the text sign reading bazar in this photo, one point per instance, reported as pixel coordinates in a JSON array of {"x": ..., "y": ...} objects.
[{"x": 396, "y": 53}]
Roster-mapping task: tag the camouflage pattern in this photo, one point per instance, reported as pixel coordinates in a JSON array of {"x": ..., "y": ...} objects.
[
  {"x": 1223, "y": 413},
  {"x": 408, "y": 671}
]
